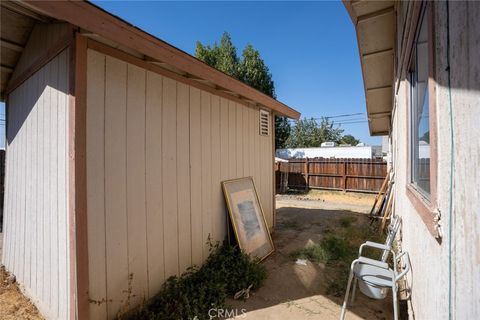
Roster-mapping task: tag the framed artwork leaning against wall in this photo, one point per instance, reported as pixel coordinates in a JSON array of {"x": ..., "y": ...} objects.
[{"x": 247, "y": 217}]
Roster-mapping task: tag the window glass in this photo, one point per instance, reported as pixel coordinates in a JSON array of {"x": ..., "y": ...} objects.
[{"x": 420, "y": 128}]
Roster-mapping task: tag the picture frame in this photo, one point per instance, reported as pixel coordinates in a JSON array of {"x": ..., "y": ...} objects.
[{"x": 247, "y": 217}]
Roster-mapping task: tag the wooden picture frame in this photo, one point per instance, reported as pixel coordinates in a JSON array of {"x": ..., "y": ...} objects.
[{"x": 248, "y": 220}]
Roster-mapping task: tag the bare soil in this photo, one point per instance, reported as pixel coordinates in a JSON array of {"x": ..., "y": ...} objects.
[
  {"x": 13, "y": 304},
  {"x": 354, "y": 201},
  {"x": 294, "y": 291}
]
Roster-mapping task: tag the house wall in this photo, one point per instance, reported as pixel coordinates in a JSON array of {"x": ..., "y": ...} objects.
[
  {"x": 157, "y": 150},
  {"x": 36, "y": 215},
  {"x": 429, "y": 278}
]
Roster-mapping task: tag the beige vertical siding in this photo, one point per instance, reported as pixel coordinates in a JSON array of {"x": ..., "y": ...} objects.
[
  {"x": 157, "y": 151},
  {"x": 36, "y": 224}
]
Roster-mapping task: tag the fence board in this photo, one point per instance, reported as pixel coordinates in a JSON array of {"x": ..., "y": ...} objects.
[{"x": 364, "y": 175}]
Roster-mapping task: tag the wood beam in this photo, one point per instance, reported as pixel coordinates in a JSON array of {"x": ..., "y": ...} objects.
[
  {"x": 379, "y": 88},
  {"x": 39, "y": 62},
  {"x": 11, "y": 45},
  {"x": 229, "y": 92},
  {"x": 375, "y": 14},
  {"x": 19, "y": 8},
  {"x": 6, "y": 69},
  {"x": 376, "y": 53},
  {"x": 79, "y": 272}
]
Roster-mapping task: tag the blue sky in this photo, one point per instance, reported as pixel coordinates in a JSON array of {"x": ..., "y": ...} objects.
[{"x": 310, "y": 47}]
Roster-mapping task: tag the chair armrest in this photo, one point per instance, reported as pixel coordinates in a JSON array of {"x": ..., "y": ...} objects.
[
  {"x": 407, "y": 265},
  {"x": 373, "y": 262},
  {"x": 375, "y": 245}
]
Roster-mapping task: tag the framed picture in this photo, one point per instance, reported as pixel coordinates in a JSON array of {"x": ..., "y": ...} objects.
[{"x": 247, "y": 217}]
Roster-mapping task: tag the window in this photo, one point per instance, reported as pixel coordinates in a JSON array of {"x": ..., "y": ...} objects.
[
  {"x": 419, "y": 112},
  {"x": 264, "y": 122}
]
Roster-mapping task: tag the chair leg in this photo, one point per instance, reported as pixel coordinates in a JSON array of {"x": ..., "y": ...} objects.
[
  {"x": 352, "y": 300},
  {"x": 344, "y": 305},
  {"x": 395, "y": 302}
]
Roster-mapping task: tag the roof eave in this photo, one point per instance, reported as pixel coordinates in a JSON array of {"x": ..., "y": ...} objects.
[
  {"x": 375, "y": 29},
  {"x": 94, "y": 19}
]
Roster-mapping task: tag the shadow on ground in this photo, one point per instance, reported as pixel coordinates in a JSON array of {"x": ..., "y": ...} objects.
[{"x": 294, "y": 291}]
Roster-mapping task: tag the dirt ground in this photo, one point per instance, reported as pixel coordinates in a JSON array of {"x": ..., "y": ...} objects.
[
  {"x": 331, "y": 200},
  {"x": 13, "y": 304},
  {"x": 291, "y": 291},
  {"x": 294, "y": 291}
]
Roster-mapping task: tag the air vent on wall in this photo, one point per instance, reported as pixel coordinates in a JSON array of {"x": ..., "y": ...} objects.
[{"x": 264, "y": 122}]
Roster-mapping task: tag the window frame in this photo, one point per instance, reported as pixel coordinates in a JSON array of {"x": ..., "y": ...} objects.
[{"x": 426, "y": 207}]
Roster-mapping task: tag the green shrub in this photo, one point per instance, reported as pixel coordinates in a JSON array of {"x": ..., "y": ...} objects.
[
  {"x": 190, "y": 296},
  {"x": 234, "y": 269},
  {"x": 336, "y": 247}
]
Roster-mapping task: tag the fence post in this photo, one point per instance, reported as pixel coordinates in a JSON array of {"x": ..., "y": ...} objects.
[
  {"x": 306, "y": 174},
  {"x": 344, "y": 175}
]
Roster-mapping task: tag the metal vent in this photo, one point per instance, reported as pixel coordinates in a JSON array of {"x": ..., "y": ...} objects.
[{"x": 264, "y": 123}]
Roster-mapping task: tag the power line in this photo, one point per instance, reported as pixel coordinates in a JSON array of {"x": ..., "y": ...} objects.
[
  {"x": 344, "y": 121},
  {"x": 346, "y": 115},
  {"x": 335, "y": 116},
  {"x": 361, "y": 121}
]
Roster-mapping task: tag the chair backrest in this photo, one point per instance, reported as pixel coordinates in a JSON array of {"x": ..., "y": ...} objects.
[{"x": 392, "y": 230}]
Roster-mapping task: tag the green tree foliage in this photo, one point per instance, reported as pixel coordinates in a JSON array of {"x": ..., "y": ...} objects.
[
  {"x": 304, "y": 134},
  {"x": 222, "y": 57},
  {"x": 328, "y": 132},
  {"x": 250, "y": 69},
  {"x": 349, "y": 139},
  {"x": 255, "y": 73},
  {"x": 282, "y": 132},
  {"x": 308, "y": 133}
]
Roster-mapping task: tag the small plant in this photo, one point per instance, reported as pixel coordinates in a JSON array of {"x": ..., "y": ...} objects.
[
  {"x": 346, "y": 222},
  {"x": 190, "y": 296},
  {"x": 315, "y": 253},
  {"x": 329, "y": 249}
]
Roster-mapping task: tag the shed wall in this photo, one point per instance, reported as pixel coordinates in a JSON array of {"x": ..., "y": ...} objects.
[
  {"x": 36, "y": 214},
  {"x": 157, "y": 150}
]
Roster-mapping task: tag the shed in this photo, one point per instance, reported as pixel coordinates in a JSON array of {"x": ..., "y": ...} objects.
[{"x": 116, "y": 146}]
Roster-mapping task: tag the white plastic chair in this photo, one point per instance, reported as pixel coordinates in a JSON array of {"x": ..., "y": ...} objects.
[
  {"x": 375, "y": 275},
  {"x": 392, "y": 230}
]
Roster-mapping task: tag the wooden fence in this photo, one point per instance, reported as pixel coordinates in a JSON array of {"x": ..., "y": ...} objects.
[{"x": 362, "y": 175}]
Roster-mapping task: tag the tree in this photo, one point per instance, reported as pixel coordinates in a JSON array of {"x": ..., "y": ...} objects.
[
  {"x": 250, "y": 69},
  {"x": 282, "y": 132},
  {"x": 327, "y": 132},
  {"x": 308, "y": 133},
  {"x": 304, "y": 134},
  {"x": 255, "y": 73},
  {"x": 349, "y": 139},
  {"x": 222, "y": 57}
]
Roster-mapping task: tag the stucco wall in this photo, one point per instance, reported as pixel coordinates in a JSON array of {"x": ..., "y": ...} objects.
[
  {"x": 157, "y": 151},
  {"x": 429, "y": 279}
]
